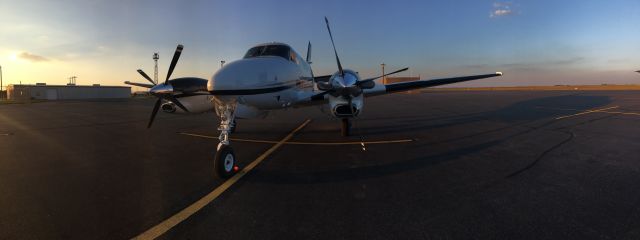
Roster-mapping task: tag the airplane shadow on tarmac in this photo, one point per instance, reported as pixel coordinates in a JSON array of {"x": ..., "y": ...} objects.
[
  {"x": 517, "y": 114},
  {"x": 524, "y": 111}
]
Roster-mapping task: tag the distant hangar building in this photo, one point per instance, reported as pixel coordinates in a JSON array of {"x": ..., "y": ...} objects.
[{"x": 42, "y": 91}]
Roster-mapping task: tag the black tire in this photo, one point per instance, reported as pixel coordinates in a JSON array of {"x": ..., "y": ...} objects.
[
  {"x": 224, "y": 164},
  {"x": 346, "y": 127}
]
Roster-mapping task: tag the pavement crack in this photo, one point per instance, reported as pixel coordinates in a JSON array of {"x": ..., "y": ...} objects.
[
  {"x": 556, "y": 146},
  {"x": 543, "y": 154}
]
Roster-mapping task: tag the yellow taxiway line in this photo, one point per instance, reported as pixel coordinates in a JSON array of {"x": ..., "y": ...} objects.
[
  {"x": 174, "y": 220},
  {"x": 622, "y": 113},
  {"x": 303, "y": 143},
  {"x": 586, "y": 112}
]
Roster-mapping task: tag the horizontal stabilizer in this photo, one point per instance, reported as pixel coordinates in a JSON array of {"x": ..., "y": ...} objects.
[{"x": 249, "y": 91}]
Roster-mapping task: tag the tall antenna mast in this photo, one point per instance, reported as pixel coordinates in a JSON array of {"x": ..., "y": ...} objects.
[
  {"x": 155, "y": 71},
  {"x": 72, "y": 81}
]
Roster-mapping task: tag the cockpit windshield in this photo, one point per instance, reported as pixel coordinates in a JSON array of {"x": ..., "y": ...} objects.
[{"x": 268, "y": 50}]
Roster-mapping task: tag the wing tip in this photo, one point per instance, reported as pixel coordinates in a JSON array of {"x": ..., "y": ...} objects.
[{"x": 499, "y": 73}]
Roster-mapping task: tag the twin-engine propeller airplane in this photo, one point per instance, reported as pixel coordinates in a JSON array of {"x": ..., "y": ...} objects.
[{"x": 272, "y": 76}]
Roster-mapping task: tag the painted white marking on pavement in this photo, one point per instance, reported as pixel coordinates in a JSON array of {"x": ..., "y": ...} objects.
[
  {"x": 600, "y": 111},
  {"x": 174, "y": 220},
  {"x": 302, "y": 143}
]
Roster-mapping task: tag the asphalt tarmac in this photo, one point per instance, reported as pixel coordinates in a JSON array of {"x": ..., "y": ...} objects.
[{"x": 475, "y": 165}]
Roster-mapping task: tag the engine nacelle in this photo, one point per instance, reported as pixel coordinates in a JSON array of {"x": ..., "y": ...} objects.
[
  {"x": 195, "y": 104},
  {"x": 340, "y": 106}
]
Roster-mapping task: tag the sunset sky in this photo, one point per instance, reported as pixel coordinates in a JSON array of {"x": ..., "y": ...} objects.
[{"x": 538, "y": 42}]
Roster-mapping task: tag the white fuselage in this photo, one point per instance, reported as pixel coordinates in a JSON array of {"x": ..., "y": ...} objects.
[
  {"x": 263, "y": 73},
  {"x": 265, "y": 68},
  {"x": 292, "y": 74}
]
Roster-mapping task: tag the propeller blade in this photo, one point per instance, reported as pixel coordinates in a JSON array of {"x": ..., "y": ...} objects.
[
  {"x": 155, "y": 111},
  {"x": 319, "y": 96},
  {"x": 146, "y": 76},
  {"x": 174, "y": 61},
  {"x": 334, "y": 47},
  {"x": 174, "y": 100},
  {"x": 355, "y": 91},
  {"x": 144, "y": 85}
]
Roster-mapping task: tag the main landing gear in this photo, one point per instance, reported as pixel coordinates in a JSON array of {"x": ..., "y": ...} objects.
[
  {"x": 224, "y": 163},
  {"x": 346, "y": 127}
]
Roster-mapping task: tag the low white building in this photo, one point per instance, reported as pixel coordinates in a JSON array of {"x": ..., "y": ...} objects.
[{"x": 66, "y": 92}]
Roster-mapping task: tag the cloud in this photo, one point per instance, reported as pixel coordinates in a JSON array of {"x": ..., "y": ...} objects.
[
  {"x": 476, "y": 66},
  {"x": 540, "y": 65},
  {"x": 502, "y": 5},
  {"x": 501, "y": 9},
  {"x": 32, "y": 57},
  {"x": 569, "y": 61},
  {"x": 500, "y": 12}
]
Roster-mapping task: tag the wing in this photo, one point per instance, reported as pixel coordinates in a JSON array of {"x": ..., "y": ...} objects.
[
  {"x": 144, "y": 85},
  {"x": 320, "y": 97},
  {"x": 380, "y": 89}
]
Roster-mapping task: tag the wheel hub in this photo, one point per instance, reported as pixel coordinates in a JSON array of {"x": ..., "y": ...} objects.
[{"x": 229, "y": 162}]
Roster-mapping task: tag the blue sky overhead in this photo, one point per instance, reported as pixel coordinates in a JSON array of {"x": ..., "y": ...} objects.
[{"x": 533, "y": 42}]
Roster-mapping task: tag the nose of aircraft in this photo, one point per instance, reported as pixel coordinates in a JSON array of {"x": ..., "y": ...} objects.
[{"x": 250, "y": 73}]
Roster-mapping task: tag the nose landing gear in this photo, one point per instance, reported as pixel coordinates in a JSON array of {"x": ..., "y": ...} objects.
[
  {"x": 346, "y": 127},
  {"x": 224, "y": 163}
]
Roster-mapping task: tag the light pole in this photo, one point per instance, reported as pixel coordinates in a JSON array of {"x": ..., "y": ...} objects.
[
  {"x": 1, "y": 95},
  {"x": 156, "y": 56},
  {"x": 383, "y": 77}
]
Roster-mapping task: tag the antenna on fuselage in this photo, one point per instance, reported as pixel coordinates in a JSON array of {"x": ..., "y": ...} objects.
[{"x": 309, "y": 53}]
